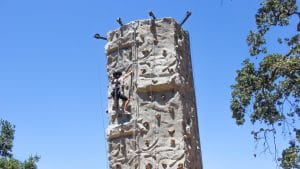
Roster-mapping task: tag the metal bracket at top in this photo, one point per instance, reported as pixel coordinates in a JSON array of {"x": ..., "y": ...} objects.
[
  {"x": 151, "y": 14},
  {"x": 98, "y": 36},
  {"x": 119, "y": 20},
  {"x": 187, "y": 15}
]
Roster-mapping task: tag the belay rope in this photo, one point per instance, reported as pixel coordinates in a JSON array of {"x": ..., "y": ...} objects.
[
  {"x": 152, "y": 99},
  {"x": 134, "y": 83},
  {"x": 116, "y": 101}
]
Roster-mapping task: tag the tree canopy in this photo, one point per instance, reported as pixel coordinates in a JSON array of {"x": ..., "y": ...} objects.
[
  {"x": 267, "y": 88},
  {"x": 7, "y": 161}
]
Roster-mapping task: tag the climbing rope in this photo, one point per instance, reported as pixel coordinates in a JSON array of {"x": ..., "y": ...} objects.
[
  {"x": 152, "y": 95},
  {"x": 135, "y": 68},
  {"x": 152, "y": 99}
]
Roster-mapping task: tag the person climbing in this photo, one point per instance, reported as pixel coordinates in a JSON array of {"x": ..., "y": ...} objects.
[{"x": 117, "y": 83}]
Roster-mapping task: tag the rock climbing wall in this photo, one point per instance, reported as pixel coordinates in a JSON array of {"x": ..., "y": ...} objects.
[{"x": 160, "y": 129}]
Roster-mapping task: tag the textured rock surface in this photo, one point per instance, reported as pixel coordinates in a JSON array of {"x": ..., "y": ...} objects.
[{"x": 161, "y": 131}]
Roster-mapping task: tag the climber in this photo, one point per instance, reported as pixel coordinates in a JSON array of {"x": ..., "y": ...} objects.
[{"x": 117, "y": 83}]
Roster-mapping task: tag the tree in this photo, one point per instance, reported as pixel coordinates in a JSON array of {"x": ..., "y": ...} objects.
[
  {"x": 6, "y": 138},
  {"x": 6, "y": 143},
  {"x": 267, "y": 88}
]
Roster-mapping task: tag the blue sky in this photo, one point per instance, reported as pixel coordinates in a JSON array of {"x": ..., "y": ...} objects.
[{"x": 53, "y": 76}]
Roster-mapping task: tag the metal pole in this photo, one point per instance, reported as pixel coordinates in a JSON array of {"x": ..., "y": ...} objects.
[
  {"x": 187, "y": 15},
  {"x": 151, "y": 14},
  {"x": 98, "y": 36},
  {"x": 119, "y": 20}
]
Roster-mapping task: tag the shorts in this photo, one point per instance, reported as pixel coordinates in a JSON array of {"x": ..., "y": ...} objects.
[{"x": 116, "y": 94}]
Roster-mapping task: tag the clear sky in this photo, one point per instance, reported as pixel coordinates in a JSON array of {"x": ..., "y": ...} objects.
[{"x": 53, "y": 82}]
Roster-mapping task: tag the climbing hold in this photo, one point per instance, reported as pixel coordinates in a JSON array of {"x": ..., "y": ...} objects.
[
  {"x": 188, "y": 121},
  {"x": 180, "y": 166},
  {"x": 122, "y": 147},
  {"x": 170, "y": 70},
  {"x": 164, "y": 165},
  {"x": 146, "y": 125},
  {"x": 113, "y": 118},
  {"x": 154, "y": 81},
  {"x": 172, "y": 142},
  {"x": 148, "y": 166},
  {"x": 172, "y": 112},
  {"x": 186, "y": 75},
  {"x": 151, "y": 97},
  {"x": 145, "y": 52},
  {"x": 121, "y": 130},
  {"x": 143, "y": 71},
  {"x": 118, "y": 166},
  {"x": 171, "y": 131},
  {"x": 164, "y": 53},
  {"x": 188, "y": 129},
  {"x": 147, "y": 143},
  {"x": 110, "y": 147},
  {"x": 158, "y": 116},
  {"x": 117, "y": 35}
]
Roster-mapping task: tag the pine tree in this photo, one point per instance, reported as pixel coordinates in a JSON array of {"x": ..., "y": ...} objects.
[{"x": 7, "y": 161}]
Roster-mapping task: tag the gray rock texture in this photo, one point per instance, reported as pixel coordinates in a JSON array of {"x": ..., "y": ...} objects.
[{"x": 160, "y": 128}]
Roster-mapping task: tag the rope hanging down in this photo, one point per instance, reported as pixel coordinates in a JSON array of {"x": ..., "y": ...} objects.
[
  {"x": 153, "y": 54},
  {"x": 134, "y": 60},
  {"x": 152, "y": 99}
]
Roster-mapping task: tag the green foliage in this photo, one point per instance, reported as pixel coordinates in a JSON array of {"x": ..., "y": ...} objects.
[
  {"x": 267, "y": 88},
  {"x": 290, "y": 157},
  {"x": 9, "y": 163},
  {"x": 6, "y": 138},
  {"x": 31, "y": 162},
  {"x": 271, "y": 13},
  {"x": 6, "y": 143}
]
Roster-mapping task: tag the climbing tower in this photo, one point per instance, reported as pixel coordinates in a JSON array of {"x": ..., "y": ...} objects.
[{"x": 160, "y": 129}]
